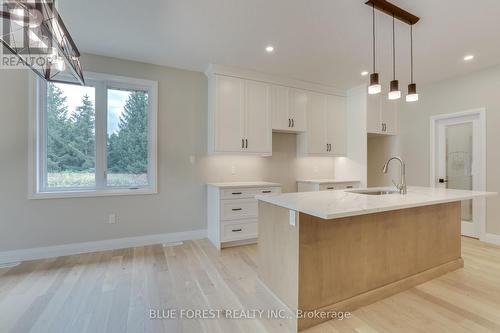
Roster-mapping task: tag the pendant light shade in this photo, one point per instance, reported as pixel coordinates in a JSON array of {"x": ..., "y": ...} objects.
[
  {"x": 412, "y": 93},
  {"x": 412, "y": 87},
  {"x": 394, "y": 92},
  {"x": 374, "y": 87}
]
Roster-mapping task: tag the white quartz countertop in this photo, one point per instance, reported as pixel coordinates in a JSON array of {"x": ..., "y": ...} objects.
[
  {"x": 342, "y": 203},
  {"x": 328, "y": 181},
  {"x": 244, "y": 184}
]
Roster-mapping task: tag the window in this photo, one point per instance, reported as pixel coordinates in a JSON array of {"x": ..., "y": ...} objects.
[{"x": 98, "y": 139}]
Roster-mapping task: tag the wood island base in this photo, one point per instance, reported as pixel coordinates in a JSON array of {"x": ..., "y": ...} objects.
[{"x": 345, "y": 263}]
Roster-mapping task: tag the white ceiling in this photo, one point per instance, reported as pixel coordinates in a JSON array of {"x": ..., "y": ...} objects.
[{"x": 322, "y": 41}]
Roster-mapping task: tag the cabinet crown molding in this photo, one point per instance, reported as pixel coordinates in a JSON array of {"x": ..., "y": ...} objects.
[{"x": 214, "y": 69}]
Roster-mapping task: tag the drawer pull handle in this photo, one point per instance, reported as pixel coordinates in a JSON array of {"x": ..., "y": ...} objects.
[
  {"x": 267, "y": 191},
  {"x": 235, "y": 209},
  {"x": 349, "y": 186},
  {"x": 330, "y": 188},
  {"x": 236, "y": 230},
  {"x": 236, "y": 193}
]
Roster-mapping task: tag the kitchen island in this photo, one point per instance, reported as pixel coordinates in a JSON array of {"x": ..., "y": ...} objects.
[{"x": 337, "y": 250}]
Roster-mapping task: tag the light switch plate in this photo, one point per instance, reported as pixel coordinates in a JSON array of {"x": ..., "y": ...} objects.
[{"x": 292, "y": 216}]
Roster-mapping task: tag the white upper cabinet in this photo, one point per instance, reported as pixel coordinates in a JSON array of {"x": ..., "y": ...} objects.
[
  {"x": 288, "y": 109},
  {"x": 298, "y": 109},
  {"x": 382, "y": 116},
  {"x": 257, "y": 125},
  {"x": 239, "y": 116},
  {"x": 326, "y": 126},
  {"x": 336, "y": 122}
]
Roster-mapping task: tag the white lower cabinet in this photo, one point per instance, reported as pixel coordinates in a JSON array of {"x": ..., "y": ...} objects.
[{"x": 232, "y": 211}]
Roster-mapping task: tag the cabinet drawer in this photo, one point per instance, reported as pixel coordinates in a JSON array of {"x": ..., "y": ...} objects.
[
  {"x": 266, "y": 190},
  {"x": 238, "y": 209},
  {"x": 237, "y": 193},
  {"x": 337, "y": 186},
  {"x": 249, "y": 192},
  {"x": 238, "y": 231}
]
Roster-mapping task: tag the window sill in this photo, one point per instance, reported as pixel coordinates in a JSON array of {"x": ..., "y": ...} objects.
[{"x": 91, "y": 193}]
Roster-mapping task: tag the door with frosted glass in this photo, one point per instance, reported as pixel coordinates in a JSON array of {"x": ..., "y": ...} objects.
[{"x": 457, "y": 151}]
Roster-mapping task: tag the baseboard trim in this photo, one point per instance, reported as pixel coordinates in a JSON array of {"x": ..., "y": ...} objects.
[
  {"x": 491, "y": 238},
  {"x": 7, "y": 257}
]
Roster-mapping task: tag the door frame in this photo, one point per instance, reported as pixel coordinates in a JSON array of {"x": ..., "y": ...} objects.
[{"x": 479, "y": 204}]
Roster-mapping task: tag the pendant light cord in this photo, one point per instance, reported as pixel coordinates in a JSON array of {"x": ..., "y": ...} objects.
[
  {"x": 373, "y": 31},
  {"x": 393, "y": 50},
  {"x": 411, "y": 51}
]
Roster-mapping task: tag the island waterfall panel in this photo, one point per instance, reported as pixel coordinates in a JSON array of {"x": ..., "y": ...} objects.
[{"x": 341, "y": 264}]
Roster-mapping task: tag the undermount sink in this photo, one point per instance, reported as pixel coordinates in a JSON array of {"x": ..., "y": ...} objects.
[{"x": 374, "y": 192}]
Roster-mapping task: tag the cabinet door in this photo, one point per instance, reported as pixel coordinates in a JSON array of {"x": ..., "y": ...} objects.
[
  {"x": 373, "y": 116},
  {"x": 298, "y": 109},
  {"x": 389, "y": 117},
  {"x": 336, "y": 124},
  {"x": 228, "y": 114},
  {"x": 316, "y": 124},
  {"x": 258, "y": 133},
  {"x": 280, "y": 108}
]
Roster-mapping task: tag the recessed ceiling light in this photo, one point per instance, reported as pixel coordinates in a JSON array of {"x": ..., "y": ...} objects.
[
  {"x": 364, "y": 73},
  {"x": 468, "y": 57},
  {"x": 270, "y": 49}
]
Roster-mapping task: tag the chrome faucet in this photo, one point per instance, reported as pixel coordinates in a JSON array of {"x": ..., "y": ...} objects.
[{"x": 402, "y": 186}]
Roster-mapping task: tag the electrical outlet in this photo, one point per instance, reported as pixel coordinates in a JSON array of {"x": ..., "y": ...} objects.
[
  {"x": 315, "y": 169},
  {"x": 233, "y": 170},
  {"x": 192, "y": 159},
  {"x": 112, "y": 218}
]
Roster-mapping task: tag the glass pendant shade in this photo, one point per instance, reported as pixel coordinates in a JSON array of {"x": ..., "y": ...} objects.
[
  {"x": 375, "y": 87},
  {"x": 394, "y": 92},
  {"x": 412, "y": 93}
]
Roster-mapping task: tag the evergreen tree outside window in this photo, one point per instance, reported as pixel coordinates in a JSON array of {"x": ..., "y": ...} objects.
[{"x": 98, "y": 139}]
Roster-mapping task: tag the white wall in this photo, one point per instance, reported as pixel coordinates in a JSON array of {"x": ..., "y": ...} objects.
[
  {"x": 480, "y": 89},
  {"x": 180, "y": 204},
  {"x": 380, "y": 149}
]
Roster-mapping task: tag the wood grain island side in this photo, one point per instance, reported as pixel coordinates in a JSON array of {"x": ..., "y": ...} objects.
[{"x": 341, "y": 264}]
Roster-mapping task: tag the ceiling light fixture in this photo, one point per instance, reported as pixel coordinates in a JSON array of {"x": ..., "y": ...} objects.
[
  {"x": 394, "y": 92},
  {"x": 364, "y": 73},
  {"x": 374, "y": 87},
  {"x": 270, "y": 49},
  {"x": 412, "y": 87},
  {"x": 468, "y": 57}
]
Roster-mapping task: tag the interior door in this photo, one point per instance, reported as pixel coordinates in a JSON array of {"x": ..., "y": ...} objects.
[
  {"x": 228, "y": 114},
  {"x": 258, "y": 133},
  {"x": 336, "y": 124},
  {"x": 458, "y": 156}
]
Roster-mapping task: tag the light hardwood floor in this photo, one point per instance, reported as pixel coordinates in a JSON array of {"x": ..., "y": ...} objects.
[{"x": 113, "y": 292}]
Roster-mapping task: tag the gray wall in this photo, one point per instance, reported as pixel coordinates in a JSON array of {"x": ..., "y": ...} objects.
[
  {"x": 180, "y": 204},
  {"x": 480, "y": 89}
]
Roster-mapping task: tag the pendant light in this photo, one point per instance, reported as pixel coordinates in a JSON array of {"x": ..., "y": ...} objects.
[
  {"x": 394, "y": 92},
  {"x": 412, "y": 87},
  {"x": 374, "y": 87}
]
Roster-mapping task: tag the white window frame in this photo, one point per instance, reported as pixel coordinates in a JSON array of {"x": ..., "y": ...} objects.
[{"x": 37, "y": 130}]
